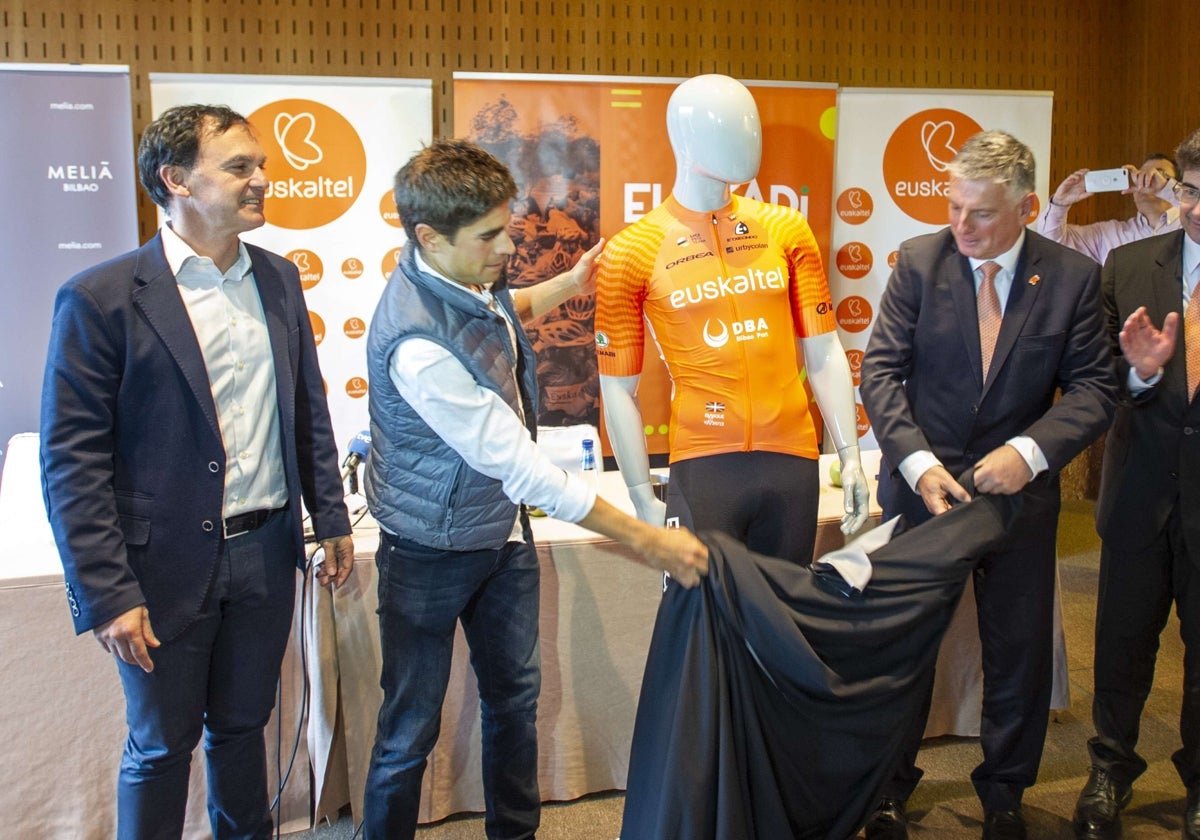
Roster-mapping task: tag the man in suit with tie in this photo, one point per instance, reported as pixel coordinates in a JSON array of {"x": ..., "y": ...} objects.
[
  {"x": 183, "y": 423},
  {"x": 979, "y": 327},
  {"x": 1150, "y": 557}
]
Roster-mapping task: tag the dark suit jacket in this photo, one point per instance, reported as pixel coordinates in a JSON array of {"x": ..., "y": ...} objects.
[
  {"x": 1152, "y": 453},
  {"x": 921, "y": 375},
  {"x": 132, "y": 459}
]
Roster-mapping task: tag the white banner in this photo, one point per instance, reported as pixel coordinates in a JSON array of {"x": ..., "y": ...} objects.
[
  {"x": 333, "y": 146},
  {"x": 69, "y": 202},
  {"x": 890, "y": 184}
]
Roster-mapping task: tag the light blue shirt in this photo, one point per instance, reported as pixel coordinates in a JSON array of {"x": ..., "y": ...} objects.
[{"x": 231, "y": 328}]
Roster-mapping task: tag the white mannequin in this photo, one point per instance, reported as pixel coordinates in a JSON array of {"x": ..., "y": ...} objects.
[{"x": 714, "y": 130}]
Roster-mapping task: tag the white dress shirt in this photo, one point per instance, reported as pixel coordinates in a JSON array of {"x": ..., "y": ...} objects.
[
  {"x": 480, "y": 426},
  {"x": 227, "y": 316},
  {"x": 917, "y": 463}
]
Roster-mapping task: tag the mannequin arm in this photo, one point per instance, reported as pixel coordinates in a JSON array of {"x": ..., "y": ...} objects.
[
  {"x": 623, "y": 417},
  {"x": 829, "y": 378}
]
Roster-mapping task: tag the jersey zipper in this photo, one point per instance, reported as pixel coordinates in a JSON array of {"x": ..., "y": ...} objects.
[{"x": 747, "y": 400}]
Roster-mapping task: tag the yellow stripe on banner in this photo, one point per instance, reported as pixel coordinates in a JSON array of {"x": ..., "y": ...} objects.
[
  {"x": 626, "y": 104},
  {"x": 626, "y": 91}
]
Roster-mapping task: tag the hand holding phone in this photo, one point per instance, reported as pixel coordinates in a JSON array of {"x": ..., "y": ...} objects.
[{"x": 1106, "y": 180}]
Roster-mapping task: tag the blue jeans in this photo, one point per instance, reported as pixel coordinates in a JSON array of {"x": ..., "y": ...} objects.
[
  {"x": 216, "y": 678},
  {"x": 423, "y": 593}
]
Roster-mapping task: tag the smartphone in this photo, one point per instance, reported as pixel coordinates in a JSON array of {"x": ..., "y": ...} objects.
[{"x": 1106, "y": 180}]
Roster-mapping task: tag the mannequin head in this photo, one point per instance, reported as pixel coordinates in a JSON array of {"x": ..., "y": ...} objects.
[{"x": 713, "y": 126}]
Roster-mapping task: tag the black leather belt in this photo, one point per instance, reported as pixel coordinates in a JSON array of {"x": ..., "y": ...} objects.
[{"x": 244, "y": 523}]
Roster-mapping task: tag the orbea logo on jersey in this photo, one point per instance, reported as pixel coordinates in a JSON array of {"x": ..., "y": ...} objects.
[
  {"x": 855, "y": 206},
  {"x": 315, "y": 160},
  {"x": 854, "y": 314},
  {"x": 854, "y": 260},
  {"x": 917, "y": 157},
  {"x": 755, "y": 280}
]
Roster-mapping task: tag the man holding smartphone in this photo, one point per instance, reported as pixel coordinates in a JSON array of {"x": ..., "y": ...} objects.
[{"x": 1152, "y": 187}]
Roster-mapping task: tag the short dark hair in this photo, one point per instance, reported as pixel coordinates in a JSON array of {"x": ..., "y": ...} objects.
[
  {"x": 448, "y": 185},
  {"x": 1167, "y": 158},
  {"x": 174, "y": 140},
  {"x": 1187, "y": 155}
]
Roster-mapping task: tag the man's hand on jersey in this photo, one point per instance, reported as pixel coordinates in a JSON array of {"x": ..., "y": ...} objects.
[
  {"x": 1002, "y": 471},
  {"x": 857, "y": 496},
  {"x": 937, "y": 487},
  {"x": 583, "y": 273}
]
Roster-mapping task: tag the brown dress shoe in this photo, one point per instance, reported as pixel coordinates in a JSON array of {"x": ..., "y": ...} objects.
[
  {"x": 1003, "y": 825},
  {"x": 1098, "y": 810},
  {"x": 888, "y": 822}
]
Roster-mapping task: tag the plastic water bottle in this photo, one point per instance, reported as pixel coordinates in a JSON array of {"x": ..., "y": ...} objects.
[{"x": 587, "y": 462}]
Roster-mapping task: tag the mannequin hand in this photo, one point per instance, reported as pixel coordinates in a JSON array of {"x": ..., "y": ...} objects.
[
  {"x": 857, "y": 495},
  {"x": 647, "y": 506}
]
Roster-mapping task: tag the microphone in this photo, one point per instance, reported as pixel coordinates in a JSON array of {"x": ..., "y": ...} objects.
[{"x": 358, "y": 448}]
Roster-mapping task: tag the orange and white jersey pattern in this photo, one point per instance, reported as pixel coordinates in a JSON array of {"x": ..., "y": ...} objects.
[{"x": 725, "y": 296}]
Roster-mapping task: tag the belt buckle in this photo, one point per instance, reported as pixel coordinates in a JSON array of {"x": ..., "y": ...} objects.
[{"x": 231, "y": 534}]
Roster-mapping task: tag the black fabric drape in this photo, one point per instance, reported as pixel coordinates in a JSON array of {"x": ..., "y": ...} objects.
[{"x": 773, "y": 705}]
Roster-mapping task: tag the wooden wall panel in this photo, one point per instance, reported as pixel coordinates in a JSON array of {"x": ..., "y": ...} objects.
[{"x": 1124, "y": 72}]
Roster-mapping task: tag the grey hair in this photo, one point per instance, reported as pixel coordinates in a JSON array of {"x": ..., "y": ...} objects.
[{"x": 997, "y": 157}]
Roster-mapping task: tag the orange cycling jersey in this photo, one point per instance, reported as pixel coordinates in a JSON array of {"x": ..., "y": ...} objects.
[{"x": 726, "y": 295}]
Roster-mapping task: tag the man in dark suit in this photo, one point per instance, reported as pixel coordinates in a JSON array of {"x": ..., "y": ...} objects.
[
  {"x": 980, "y": 325},
  {"x": 1146, "y": 515},
  {"x": 183, "y": 423}
]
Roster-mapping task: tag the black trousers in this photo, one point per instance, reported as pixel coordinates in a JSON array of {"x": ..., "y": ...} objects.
[{"x": 1134, "y": 600}]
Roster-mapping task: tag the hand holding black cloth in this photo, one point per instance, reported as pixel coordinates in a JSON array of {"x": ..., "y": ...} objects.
[{"x": 773, "y": 705}]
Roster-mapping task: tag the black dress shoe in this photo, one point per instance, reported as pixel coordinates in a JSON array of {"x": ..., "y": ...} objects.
[
  {"x": 888, "y": 822},
  {"x": 1098, "y": 810},
  {"x": 1003, "y": 825},
  {"x": 1191, "y": 818}
]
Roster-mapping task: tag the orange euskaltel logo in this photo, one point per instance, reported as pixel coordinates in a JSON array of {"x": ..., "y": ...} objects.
[
  {"x": 916, "y": 159},
  {"x": 854, "y": 314},
  {"x": 315, "y": 160},
  {"x": 854, "y": 260}
]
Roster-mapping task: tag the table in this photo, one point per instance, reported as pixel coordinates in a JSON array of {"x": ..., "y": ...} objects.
[
  {"x": 597, "y": 614},
  {"x": 63, "y": 724}
]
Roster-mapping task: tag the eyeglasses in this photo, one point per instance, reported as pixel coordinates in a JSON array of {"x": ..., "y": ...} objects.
[{"x": 1187, "y": 194}]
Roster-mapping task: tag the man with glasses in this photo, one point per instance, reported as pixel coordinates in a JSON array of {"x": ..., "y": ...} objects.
[
  {"x": 1152, "y": 187},
  {"x": 1150, "y": 557}
]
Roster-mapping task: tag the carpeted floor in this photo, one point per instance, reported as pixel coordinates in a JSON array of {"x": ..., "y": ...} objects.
[{"x": 944, "y": 805}]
